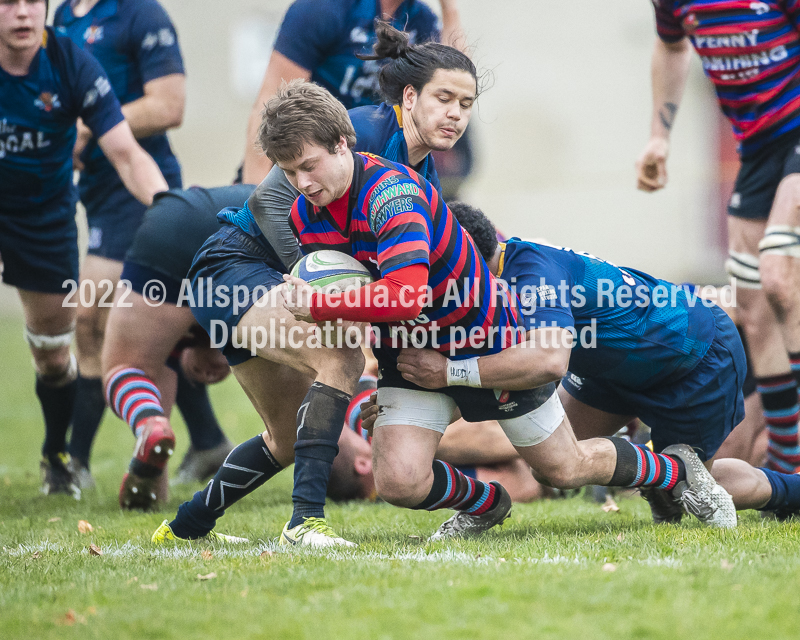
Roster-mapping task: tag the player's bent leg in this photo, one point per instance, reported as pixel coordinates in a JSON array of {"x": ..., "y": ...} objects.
[
  {"x": 405, "y": 438},
  {"x": 140, "y": 389},
  {"x": 588, "y": 421},
  {"x": 49, "y": 332}
]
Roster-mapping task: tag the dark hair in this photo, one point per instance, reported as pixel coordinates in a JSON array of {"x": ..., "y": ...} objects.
[
  {"x": 413, "y": 64},
  {"x": 302, "y": 113},
  {"x": 476, "y": 224}
]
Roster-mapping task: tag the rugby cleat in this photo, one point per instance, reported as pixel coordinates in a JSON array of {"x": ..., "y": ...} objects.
[
  {"x": 57, "y": 477},
  {"x": 314, "y": 533},
  {"x": 83, "y": 477},
  {"x": 463, "y": 525},
  {"x": 665, "y": 508},
  {"x": 699, "y": 494},
  {"x": 201, "y": 465},
  {"x": 154, "y": 446},
  {"x": 164, "y": 534}
]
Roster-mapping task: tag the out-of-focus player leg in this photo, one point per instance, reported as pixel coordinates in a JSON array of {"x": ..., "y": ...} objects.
[
  {"x": 101, "y": 274},
  {"x": 49, "y": 331},
  {"x": 777, "y": 384},
  {"x": 140, "y": 388}
]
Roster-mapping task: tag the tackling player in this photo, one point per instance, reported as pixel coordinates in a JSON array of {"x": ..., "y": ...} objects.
[
  {"x": 137, "y": 46},
  {"x": 657, "y": 353},
  {"x": 46, "y": 84},
  {"x": 751, "y": 52},
  {"x": 423, "y": 87}
]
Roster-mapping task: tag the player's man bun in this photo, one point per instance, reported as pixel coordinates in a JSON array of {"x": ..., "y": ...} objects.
[
  {"x": 412, "y": 64},
  {"x": 391, "y": 42}
]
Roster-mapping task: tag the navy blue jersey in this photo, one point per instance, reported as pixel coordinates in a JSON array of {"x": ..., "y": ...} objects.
[
  {"x": 379, "y": 131},
  {"x": 135, "y": 42},
  {"x": 646, "y": 331},
  {"x": 37, "y": 122},
  {"x": 324, "y": 38}
]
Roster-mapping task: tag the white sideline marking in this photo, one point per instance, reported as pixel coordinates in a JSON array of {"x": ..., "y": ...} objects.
[{"x": 187, "y": 550}]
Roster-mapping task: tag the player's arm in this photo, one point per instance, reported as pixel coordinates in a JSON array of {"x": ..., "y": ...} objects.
[
  {"x": 669, "y": 70},
  {"x": 542, "y": 358},
  {"x": 160, "y": 108},
  {"x": 271, "y": 205},
  {"x": 280, "y": 69},
  {"x": 452, "y": 31},
  {"x": 137, "y": 170}
]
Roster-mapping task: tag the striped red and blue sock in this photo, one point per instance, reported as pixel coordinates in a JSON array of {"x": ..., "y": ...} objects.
[
  {"x": 637, "y": 466},
  {"x": 781, "y": 412},
  {"x": 133, "y": 397},
  {"x": 453, "y": 490}
]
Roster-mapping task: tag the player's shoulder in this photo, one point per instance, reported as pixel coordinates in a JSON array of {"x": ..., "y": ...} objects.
[
  {"x": 59, "y": 15},
  {"x": 373, "y": 124},
  {"x": 63, "y": 53},
  {"x": 140, "y": 8},
  {"x": 330, "y": 12}
]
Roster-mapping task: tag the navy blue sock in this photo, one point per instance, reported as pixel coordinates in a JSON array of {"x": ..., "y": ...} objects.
[
  {"x": 785, "y": 492},
  {"x": 319, "y": 425},
  {"x": 245, "y": 469},
  {"x": 57, "y": 406},
  {"x": 195, "y": 407},
  {"x": 90, "y": 403}
]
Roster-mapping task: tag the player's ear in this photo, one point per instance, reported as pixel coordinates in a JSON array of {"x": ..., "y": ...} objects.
[
  {"x": 342, "y": 146},
  {"x": 363, "y": 465},
  {"x": 409, "y": 97}
]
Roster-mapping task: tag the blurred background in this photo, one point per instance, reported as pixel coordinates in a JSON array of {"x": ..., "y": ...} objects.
[{"x": 556, "y": 134}]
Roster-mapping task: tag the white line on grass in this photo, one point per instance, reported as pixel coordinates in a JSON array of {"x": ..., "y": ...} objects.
[{"x": 184, "y": 551}]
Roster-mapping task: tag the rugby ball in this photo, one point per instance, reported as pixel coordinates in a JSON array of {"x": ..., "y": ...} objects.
[{"x": 332, "y": 271}]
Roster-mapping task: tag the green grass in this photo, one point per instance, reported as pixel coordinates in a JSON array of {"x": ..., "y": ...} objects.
[{"x": 541, "y": 576}]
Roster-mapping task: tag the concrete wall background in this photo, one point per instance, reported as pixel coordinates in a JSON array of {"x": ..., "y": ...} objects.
[{"x": 557, "y": 133}]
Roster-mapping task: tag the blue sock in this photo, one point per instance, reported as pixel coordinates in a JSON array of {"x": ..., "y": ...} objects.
[
  {"x": 785, "y": 492},
  {"x": 319, "y": 425},
  {"x": 245, "y": 469}
]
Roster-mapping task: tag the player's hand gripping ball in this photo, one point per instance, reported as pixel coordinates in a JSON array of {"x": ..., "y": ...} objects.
[{"x": 323, "y": 271}]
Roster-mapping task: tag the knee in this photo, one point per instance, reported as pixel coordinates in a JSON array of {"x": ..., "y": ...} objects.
[
  {"x": 56, "y": 366},
  {"x": 557, "y": 477},
  {"x": 88, "y": 331},
  {"x": 776, "y": 286},
  {"x": 400, "y": 487}
]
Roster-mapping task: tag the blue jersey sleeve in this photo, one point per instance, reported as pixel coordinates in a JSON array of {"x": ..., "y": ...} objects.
[
  {"x": 155, "y": 41},
  {"x": 98, "y": 106},
  {"x": 544, "y": 288},
  {"x": 308, "y": 31}
]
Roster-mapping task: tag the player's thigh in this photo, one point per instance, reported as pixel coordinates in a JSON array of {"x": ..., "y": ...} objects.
[
  {"x": 140, "y": 335},
  {"x": 406, "y": 435},
  {"x": 590, "y": 422},
  {"x": 103, "y": 273},
  {"x": 46, "y": 313},
  {"x": 555, "y": 461},
  {"x": 271, "y": 332},
  {"x": 475, "y": 443},
  {"x": 276, "y": 392}
]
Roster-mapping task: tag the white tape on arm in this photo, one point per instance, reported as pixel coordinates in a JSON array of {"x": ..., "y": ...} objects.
[{"x": 463, "y": 373}]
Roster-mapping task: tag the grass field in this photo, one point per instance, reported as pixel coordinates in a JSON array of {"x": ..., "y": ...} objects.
[{"x": 557, "y": 569}]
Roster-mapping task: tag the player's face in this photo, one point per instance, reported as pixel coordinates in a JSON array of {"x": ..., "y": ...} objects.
[
  {"x": 21, "y": 23},
  {"x": 319, "y": 175},
  {"x": 441, "y": 111}
]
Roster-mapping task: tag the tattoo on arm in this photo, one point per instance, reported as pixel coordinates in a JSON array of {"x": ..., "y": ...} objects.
[{"x": 667, "y": 114}]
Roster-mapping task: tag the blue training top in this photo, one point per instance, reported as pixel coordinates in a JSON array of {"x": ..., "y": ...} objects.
[
  {"x": 647, "y": 331},
  {"x": 37, "y": 124},
  {"x": 324, "y": 38},
  {"x": 135, "y": 42}
]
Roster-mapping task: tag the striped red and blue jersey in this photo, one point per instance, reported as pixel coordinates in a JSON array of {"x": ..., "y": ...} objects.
[
  {"x": 751, "y": 52},
  {"x": 396, "y": 219}
]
